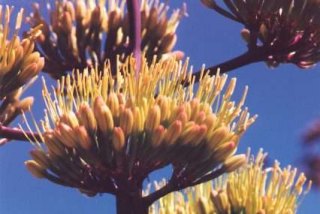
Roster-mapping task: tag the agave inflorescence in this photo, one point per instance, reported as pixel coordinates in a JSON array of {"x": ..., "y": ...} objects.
[
  {"x": 87, "y": 32},
  {"x": 102, "y": 133},
  {"x": 19, "y": 64},
  {"x": 285, "y": 31},
  {"x": 311, "y": 158},
  {"x": 250, "y": 189}
]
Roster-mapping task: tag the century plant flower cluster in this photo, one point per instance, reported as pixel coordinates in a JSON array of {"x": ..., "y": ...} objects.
[
  {"x": 284, "y": 31},
  {"x": 102, "y": 132},
  {"x": 85, "y": 33},
  {"x": 311, "y": 159},
  {"x": 250, "y": 189},
  {"x": 115, "y": 116},
  {"x": 19, "y": 64}
]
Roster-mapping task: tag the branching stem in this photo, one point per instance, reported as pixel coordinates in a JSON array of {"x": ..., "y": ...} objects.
[
  {"x": 18, "y": 134},
  {"x": 251, "y": 56},
  {"x": 135, "y": 31}
]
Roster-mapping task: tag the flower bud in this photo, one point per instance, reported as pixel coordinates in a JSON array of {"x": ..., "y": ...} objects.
[
  {"x": 86, "y": 117},
  {"x": 245, "y": 34},
  {"x": 25, "y": 104},
  {"x": 153, "y": 118},
  {"x": 173, "y": 133},
  {"x": 83, "y": 137},
  {"x": 234, "y": 162},
  {"x": 103, "y": 115},
  {"x": 54, "y": 145},
  {"x": 41, "y": 158},
  {"x": 113, "y": 104},
  {"x": 126, "y": 121},
  {"x": 118, "y": 139},
  {"x": 157, "y": 136},
  {"x": 35, "y": 169},
  {"x": 138, "y": 120},
  {"x": 218, "y": 137},
  {"x": 70, "y": 119},
  {"x": 224, "y": 151}
]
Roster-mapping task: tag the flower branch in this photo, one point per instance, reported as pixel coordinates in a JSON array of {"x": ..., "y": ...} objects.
[
  {"x": 174, "y": 185},
  {"x": 135, "y": 30},
  {"x": 18, "y": 134},
  {"x": 250, "y": 56}
]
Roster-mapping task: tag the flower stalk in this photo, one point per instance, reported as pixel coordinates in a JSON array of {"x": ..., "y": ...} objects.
[
  {"x": 251, "y": 56},
  {"x": 135, "y": 31},
  {"x": 18, "y": 134}
]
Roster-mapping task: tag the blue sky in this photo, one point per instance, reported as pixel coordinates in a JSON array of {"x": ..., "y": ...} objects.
[{"x": 286, "y": 99}]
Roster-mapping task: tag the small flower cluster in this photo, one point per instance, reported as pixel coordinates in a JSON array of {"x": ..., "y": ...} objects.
[
  {"x": 250, "y": 189},
  {"x": 85, "y": 33},
  {"x": 19, "y": 65},
  {"x": 287, "y": 31},
  {"x": 311, "y": 157},
  {"x": 102, "y": 133}
]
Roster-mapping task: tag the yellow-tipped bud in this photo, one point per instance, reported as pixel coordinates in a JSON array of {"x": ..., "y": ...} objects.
[
  {"x": 28, "y": 73},
  {"x": 41, "y": 158},
  {"x": 66, "y": 135},
  {"x": 234, "y": 162},
  {"x": 70, "y": 119},
  {"x": 103, "y": 115},
  {"x": 220, "y": 201},
  {"x": 138, "y": 120},
  {"x": 180, "y": 114},
  {"x": 86, "y": 117},
  {"x": 83, "y": 138},
  {"x": 153, "y": 118},
  {"x": 195, "y": 107},
  {"x": 157, "y": 136},
  {"x": 300, "y": 182},
  {"x": 31, "y": 59},
  {"x": 218, "y": 137},
  {"x": 25, "y": 104},
  {"x": 126, "y": 121},
  {"x": 193, "y": 135},
  {"x": 113, "y": 104},
  {"x": 53, "y": 144},
  {"x": 245, "y": 34},
  {"x": 223, "y": 151},
  {"x": 210, "y": 121},
  {"x": 35, "y": 169},
  {"x": 164, "y": 107},
  {"x": 201, "y": 116},
  {"x": 118, "y": 139},
  {"x": 173, "y": 132}
]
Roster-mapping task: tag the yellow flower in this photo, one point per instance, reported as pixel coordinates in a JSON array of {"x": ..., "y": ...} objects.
[
  {"x": 280, "y": 31},
  {"x": 19, "y": 65},
  {"x": 250, "y": 189},
  {"x": 88, "y": 32},
  {"x": 100, "y": 130}
]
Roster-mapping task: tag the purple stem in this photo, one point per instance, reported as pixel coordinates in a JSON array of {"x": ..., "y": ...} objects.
[
  {"x": 172, "y": 186},
  {"x": 18, "y": 134},
  {"x": 135, "y": 31},
  {"x": 251, "y": 56}
]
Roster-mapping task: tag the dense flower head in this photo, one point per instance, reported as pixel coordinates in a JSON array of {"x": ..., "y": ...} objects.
[
  {"x": 250, "y": 189},
  {"x": 100, "y": 130},
  {"x": 19, "y": 64},
  {"x": 288, "y": 31},
  {"x": 84, "y": 33}
]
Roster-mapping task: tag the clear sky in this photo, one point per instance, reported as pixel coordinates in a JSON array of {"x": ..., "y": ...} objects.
[{"x": 286, "y": 99}]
